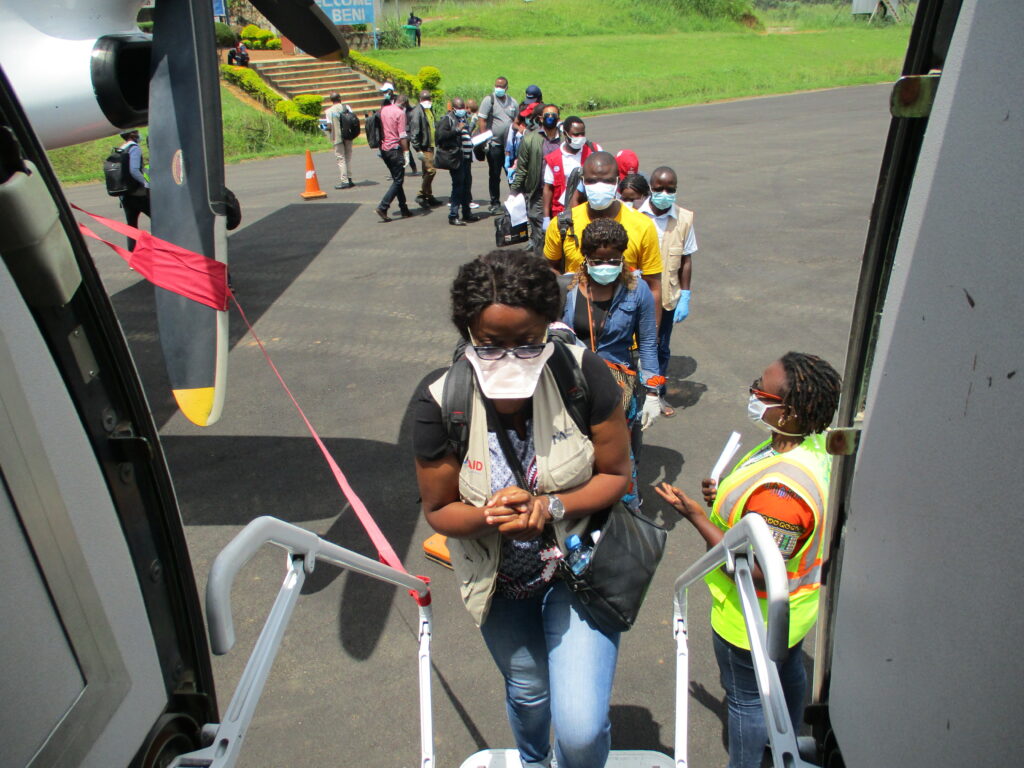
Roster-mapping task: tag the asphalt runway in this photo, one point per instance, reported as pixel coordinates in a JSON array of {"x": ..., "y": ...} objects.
[{"x": 354, "y": 312}]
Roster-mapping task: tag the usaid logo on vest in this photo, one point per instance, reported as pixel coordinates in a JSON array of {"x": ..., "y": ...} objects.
[
  {"x": 474, "y": 465},
  {"x": 562, "y": 435}
]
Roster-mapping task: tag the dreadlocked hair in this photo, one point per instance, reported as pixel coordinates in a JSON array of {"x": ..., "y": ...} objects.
[
  {"x": 512, "y": 278},
  {"x": 812, "y": 390}
]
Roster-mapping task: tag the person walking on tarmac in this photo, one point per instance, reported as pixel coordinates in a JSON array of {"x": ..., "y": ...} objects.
[
  {"x": 136, "y": 199},
  {"x": 529, "y": 478},
  {"x": 393, "y": 146},
  {"x": 785, "y": 480}
]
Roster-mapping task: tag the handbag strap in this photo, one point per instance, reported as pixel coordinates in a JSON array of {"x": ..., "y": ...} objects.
[{"x": 506, "y": 446}]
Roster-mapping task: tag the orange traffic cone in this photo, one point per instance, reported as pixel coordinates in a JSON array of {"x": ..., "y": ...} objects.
[{"x": 313, "y": 190}]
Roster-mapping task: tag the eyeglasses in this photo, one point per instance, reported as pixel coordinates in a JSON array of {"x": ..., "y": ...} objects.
[
  {"x": 760, "y": 394},
  {"x": 611, "y": 262},
  {"x": 524, "y": 352}
]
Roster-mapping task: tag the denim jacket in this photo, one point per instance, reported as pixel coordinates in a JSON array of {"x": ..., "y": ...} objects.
[{"x": 631, "y": 312}]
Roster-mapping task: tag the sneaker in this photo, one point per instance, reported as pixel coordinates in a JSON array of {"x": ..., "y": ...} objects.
[
  {"x": 433, "y": 202},
  {"x": 495, "y": 209},
  {"x": 422, "y": 200},
  {"x": 469, "y": 218},
  {"x": 383, "y": 213},
  {"x": 474, "y": 205},
  {"x": 456, "y": 222},
  {"x": 405, "y": 213}
]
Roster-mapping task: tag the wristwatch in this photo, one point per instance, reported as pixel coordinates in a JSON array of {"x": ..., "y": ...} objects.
[{"x": 555, "y": 508}]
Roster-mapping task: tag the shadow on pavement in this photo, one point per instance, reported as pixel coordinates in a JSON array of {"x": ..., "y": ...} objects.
[
  {"x": 634, "y": 728},
  {"x": 681, "y": 393}
]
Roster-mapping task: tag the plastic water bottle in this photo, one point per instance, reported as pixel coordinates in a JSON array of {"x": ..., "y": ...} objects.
[{"x": 579, "y": 555}]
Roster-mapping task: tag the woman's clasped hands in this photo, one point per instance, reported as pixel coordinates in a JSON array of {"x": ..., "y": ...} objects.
[{"x": 517, "y": 514}]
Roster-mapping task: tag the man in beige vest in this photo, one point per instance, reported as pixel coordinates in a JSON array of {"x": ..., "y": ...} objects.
[{"x": 678, "y": 243}]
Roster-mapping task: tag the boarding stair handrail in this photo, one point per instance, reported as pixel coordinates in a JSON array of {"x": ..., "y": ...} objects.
[
  {"x": 223, "y": 741},
  {"x": 748, "y": 539}
]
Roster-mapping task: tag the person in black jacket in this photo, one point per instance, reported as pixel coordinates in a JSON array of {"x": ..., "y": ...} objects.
[
  {"x": 421, "y": 136},
  {"x": 454, "y": 143}
]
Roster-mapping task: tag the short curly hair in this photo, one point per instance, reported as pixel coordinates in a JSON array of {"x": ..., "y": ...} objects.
[
  {"x": 512, "y": 278},
  {"x": 603, "y": 233}
]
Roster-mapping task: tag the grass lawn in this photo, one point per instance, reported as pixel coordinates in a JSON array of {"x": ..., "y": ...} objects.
[
  {"x": 610, "y": 73},
  {"x": 248, "y": 133}
]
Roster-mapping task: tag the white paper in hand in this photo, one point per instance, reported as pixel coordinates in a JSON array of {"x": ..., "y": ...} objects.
[
  {"x": 480, "y": 138},
  {"x": 516, "y": 207},
  {"x": 731, "y": 446}
]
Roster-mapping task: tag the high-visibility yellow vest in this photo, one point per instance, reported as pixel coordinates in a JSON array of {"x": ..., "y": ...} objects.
[{"x": 805, "y": 470}]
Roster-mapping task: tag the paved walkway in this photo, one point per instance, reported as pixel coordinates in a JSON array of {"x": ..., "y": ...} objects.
[{"x": 355, "y": 313}]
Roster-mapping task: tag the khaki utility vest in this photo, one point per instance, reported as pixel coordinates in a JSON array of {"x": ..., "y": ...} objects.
[{"x": 565, "y": 460}]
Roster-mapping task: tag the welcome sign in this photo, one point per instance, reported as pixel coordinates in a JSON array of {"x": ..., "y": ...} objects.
[{"x": 348, "y": 11}]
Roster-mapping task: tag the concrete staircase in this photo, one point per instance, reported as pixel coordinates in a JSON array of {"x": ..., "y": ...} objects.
[{"x": 296, "y": 76}]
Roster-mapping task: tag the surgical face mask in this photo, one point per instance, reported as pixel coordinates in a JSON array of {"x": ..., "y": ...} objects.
[
  {"x": 508, "y": 378},
  {"x": 499, "y": 92},
  {"x": 550, "y": 121},
  {"x": 460, "y": 113},
  {"x": 663, "y": 200},
  {"x": 603, "y": 274},
  {"x": 427, "y": 104},
  {"x": 755, "y": 411},
  {"x": 576, "y": 142},
  {"x": 600, "y": 195}
]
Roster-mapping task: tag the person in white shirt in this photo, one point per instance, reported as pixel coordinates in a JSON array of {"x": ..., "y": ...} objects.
[{"x": 678, "y": 242}]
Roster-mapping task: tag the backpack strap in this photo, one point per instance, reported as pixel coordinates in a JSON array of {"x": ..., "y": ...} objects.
[{"x": 457, "y": 395}]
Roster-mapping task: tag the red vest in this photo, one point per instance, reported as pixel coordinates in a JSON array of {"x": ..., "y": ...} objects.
[{"x": 554, "y": 161}]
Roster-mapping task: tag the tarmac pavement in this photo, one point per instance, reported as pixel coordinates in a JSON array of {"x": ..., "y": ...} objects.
[{"x": 354, "y": 313}]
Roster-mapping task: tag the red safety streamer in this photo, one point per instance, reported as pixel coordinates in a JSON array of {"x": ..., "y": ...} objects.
[
  {"x": 205, "y": 280},
  {"x": 167, "y": 265}
]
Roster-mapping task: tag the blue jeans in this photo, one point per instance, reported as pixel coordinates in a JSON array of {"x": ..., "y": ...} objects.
[
  {"x": 557, "y": 668},
  {"x": 664, "y": 342},
  {"x": 748, "y": 735},
  {"x": 462, "y": 177}
]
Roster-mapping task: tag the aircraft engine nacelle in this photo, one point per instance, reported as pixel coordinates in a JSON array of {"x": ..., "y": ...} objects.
[{"x": 80, "y": 69}]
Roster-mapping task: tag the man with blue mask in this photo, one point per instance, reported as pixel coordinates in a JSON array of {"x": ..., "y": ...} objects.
[
  {"x": 497, "y": 111},
  {"x": 562, "y": 238},
  {"x": 541, "y": 138},
  {"x": 455, "y": 152},
  {"x": 677, "y": 242}
]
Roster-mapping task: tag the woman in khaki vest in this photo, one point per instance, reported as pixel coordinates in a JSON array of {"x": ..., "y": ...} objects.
[{"x": 504, "y": 538}]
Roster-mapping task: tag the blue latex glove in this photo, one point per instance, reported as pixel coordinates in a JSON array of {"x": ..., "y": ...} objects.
[{"x": 682, "y": 308}]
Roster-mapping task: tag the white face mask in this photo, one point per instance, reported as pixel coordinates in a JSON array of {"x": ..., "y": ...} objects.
[
  {"x": 577, "y": 142},
  {"x": 509, "y": 378},
  {"x": 426, "y": 104},
  {"x": 600, "y": 195},
  {"x": 756, "y": 410}
]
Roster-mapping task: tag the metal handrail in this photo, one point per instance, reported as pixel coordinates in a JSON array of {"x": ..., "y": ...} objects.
[
  {"x": 304, "y": 548},
  {"x": 749, "y": 538}
]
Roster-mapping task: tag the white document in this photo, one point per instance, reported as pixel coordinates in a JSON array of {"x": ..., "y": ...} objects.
[
  {"x": 480, "y": 138},
  {"x": 731, "y": 446},
  {"x": 516, "y": 207}
]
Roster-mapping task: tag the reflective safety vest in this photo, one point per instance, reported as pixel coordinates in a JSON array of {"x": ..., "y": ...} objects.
[{"x": 805, "y": 470}]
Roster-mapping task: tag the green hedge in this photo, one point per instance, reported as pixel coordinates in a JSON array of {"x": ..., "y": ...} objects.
[
  {"x": 309, "y": 104},
  {"x": 251, "y": 83},
  {"x": 294, "y": 117},
  {"x": 226, "y": 36},
  {"x": 428, "y": 78}
]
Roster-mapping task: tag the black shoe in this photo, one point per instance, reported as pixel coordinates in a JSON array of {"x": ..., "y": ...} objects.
[
  {"x": 455, "y": 221},
  {"x": 433, "y": 202},
  {"x": 423, "y": 201},
  {"x": 404, "y": 212},
  {"x": 495, "y": 209},
  {"x": 469, "y": 218},
  {"x": 383, "y": 213},
  {"x": 341, "y": 185}
]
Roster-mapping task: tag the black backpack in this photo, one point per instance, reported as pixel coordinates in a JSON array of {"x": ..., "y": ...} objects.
[
  {"x": 565, "y": 217},
  {"x": 374, "y": 130},
  {"x": 116, "y": 173},
  {"x": 350, "y": 126},
  {"x": 457, "y": 395}
]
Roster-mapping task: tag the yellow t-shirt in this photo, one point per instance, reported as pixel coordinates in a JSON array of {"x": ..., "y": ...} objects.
[{"x": 642, "y": 252}]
